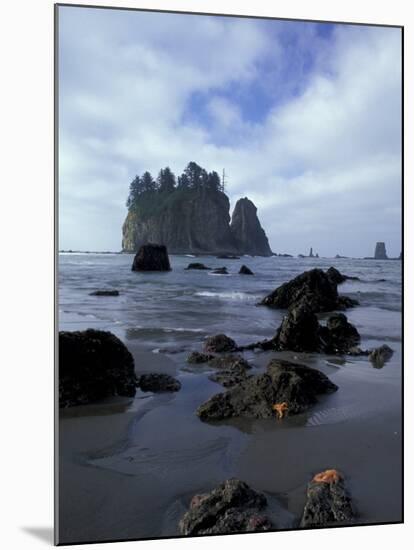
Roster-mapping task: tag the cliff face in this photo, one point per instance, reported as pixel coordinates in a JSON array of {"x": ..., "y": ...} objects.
[
  {"x": 195, "y": 221},
  {"x": 247, "y": 231},
  {"x": 187, "y": 222}
]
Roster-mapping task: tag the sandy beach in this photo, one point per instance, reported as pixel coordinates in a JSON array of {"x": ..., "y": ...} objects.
[{"x": 132, "y": 466}]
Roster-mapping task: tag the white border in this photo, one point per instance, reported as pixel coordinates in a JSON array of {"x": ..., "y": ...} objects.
[{"x": 26, "y": 46}]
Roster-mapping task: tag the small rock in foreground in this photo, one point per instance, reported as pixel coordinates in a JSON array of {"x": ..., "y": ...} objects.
[
  {"x": 156, "y": 382},
  {"x": 327, "y": 501},
  {"x": 233, "y": 507}
]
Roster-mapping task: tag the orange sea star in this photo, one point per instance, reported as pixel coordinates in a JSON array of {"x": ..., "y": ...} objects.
[
  {"x": 328, "y": 476},
  {"x": 280, "y": 409}
]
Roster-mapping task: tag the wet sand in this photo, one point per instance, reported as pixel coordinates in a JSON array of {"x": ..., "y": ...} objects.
[{"x": 129, "y": 468}]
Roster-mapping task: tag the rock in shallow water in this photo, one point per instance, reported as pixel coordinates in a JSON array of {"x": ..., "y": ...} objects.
[
  {"x": 197, "y": 265},
  {"x": 256, "y": 397},
  {"x": 196, "y": 357},
  {"x": 156, "y": 382},
  {"x": 220, "y": 271},
  {"x": 244, "y": 270},
  {"x": 151, "y": 257},
  {"x": 93, "y": 365},
  {"x": 105, "y": 293},
  {"x": 232, "y": 370},
  {"x": 327, "y": 501},
  {"x": 233, "y": 507},
  {"x": 313, "y": 289},
  {"x": 379, "y": 356},
  {"x": 300, "y": 331},
  {"x": 220, "y": 343},
  {"x": 337, "y": 277},
  {"x": 339, "y": 336}
]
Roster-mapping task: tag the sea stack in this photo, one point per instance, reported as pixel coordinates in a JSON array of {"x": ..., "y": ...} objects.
[
  {"x": 311, "y": 253},
  {"x": 380, "y": 252},
  {"x": 151, "y": 257},
  {"x": 246, "y": 229}
]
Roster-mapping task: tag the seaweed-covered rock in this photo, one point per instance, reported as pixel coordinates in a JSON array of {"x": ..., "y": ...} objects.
[
  {"x": 339, "y": 336},
  {"x": 156, "y": 382},
  {"x": 233, "y": 507},
  {"x": 327, "y": 501},
  {"x": 151, "y": 257},
  {"x": 220, "y": 343},
  {"x": 196, "y": 357},
  {"x": 197, "y": 265},
  {"x": 232, "y": 370},
  {"x": 379, "y": 356},
  {"x": 244, "y": 270},
  {"x": 256, "y": 397},
  {"x": 93, "y": 365},
  {"x": 104, "y": 293},
  {"x": 313, "y": 289}
]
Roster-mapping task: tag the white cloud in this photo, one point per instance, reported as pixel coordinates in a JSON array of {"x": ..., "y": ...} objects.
[{"x": 327, "y": 158}]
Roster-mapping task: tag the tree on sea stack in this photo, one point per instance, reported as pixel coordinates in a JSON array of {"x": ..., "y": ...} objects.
[{"x": 151, "y": 257}]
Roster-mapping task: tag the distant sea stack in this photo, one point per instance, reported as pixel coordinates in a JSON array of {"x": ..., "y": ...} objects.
[
  {"x": 246, "y": 229},
  {"x": 380, "y": 252},
  {"x": 190, "y": 216}
]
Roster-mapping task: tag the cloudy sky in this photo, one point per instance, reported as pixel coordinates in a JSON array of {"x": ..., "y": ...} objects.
[{"x": 304, "y": 117}]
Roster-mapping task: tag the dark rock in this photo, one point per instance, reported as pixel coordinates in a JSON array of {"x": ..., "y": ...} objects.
[
  {"x": 156, "y": 382},
  {"x": 337, "y": 277},
  {"x": 196, "y": 357},
  {"x": 197, "y": 265},
  {"x": 220, "y": 343},
  {"x": 327, "y": 502},
  {"x": 151, "y": 257},
  {"x": 233, "y": 507},
  {"x": 232, "y": 370},
  {"x": 283, "y": 382},
  {"x": 244, "y": 270},
  {"x": 228, "y": 257},
  {"x": 379, "y": 356},
  {"x": 313, "y": 288},
  {"x": 339, "y": 336},
  {"x": 220, "y": 271},
  {"x": 299, "y": 331},
  {"x": 105, "y": 293},
  {"x": 93, "y": 365},
  {"x": 380, "y": 252},
  {"x": 247, "y": 231},
  {"x": 345, "y": 302}
]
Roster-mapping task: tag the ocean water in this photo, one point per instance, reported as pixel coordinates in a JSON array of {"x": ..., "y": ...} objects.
[
  {"x": 182, "y": 307},
  {"x": 357, "y": 429}
]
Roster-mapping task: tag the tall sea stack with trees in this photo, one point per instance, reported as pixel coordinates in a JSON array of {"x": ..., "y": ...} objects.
[{"x": 190, "y": 215}]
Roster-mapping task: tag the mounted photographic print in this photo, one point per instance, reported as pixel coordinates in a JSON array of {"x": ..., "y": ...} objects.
[{"x": 229, "y": 274}]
